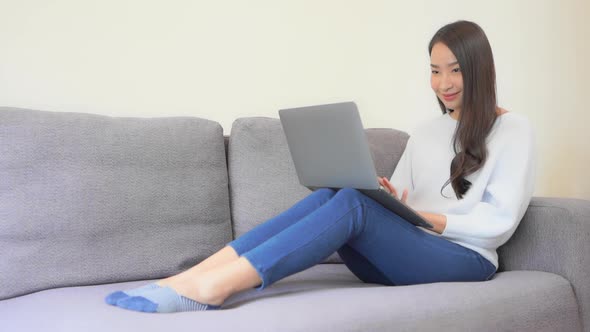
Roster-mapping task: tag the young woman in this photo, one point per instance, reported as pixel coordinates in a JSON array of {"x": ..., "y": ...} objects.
[{"x": 470, "y": 172}]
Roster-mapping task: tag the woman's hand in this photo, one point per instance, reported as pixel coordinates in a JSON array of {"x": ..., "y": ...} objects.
[{"x": 389, "y": 187}]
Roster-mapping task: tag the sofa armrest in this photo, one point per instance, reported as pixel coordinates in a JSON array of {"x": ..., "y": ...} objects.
[{"x": 554, "y": 236}]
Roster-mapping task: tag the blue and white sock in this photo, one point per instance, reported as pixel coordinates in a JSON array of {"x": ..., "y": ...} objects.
[
  {"x": 119, "y": 295},
  {"x": 162, "y": 299}
]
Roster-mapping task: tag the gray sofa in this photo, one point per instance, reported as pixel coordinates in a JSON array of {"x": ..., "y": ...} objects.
[{"x": 91, "y": 204}]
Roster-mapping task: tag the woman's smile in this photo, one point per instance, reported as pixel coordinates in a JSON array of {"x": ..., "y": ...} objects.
[{"x": 451, "y": 96}]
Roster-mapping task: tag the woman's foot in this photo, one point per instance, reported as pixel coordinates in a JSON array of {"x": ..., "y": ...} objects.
[
  {"x": 114, "y": 297},
  {"x": 163, "y": 300},
  {"x": 183, "y": 292},
  {"x": 195, "y": 286}
]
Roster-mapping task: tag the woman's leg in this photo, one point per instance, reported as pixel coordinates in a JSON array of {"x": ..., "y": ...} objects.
[
  {"x": 361, "y": 267},
  {"x": 257, "y": 235},
  {"x": 349, "y": 217},
  {"x": 277, "y": 224},
  {"x": 375, "y": 243},
  {"x": 393, "y": 248},
  {"x": 223, "y": 256},
  {"x": 301, "y": 245},
  {"x": 233, "y": 250}
]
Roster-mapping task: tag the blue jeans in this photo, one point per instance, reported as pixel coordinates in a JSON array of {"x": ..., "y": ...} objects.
[{"x": 377, "y": 245}]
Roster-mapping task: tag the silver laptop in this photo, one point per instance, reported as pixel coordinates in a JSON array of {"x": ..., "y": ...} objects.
[{"x": 329, "y": 149}]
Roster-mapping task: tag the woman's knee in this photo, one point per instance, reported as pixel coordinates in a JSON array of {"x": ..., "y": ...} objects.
[
  {"x": 348, "y": 192},
  {"x": 325, "y": 192}
]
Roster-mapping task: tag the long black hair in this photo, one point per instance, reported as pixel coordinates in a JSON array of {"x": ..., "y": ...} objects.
[{"x": 472, "y": 49}]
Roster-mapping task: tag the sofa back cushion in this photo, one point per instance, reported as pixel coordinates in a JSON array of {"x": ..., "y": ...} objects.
[
  {"x": 263, "y": 181},
  {"x": 88, "y": 199}
]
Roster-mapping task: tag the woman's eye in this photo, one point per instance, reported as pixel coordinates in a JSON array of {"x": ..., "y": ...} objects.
[
  {"x": 456, "y": 70},
  {"x": 435, "y": 71}
]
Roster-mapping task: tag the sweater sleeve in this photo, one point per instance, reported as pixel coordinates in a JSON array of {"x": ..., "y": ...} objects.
[
  {"x": 402, "y": 175},
  {"x": 493, "y": 220}
]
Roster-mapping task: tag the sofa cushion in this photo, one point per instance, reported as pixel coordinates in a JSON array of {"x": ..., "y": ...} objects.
[
  {"x": 553, "y": 237},
  {"x": 263, "y": 181},
  {"x": 89, "y": 199},
  {"x": 326, "y": 297}
]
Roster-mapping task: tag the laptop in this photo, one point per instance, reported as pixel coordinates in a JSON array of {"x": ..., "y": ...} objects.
[{"x": 329, "y": 149}]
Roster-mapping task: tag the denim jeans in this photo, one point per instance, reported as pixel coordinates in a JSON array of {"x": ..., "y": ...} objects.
[{"x": 377, "y": 245}]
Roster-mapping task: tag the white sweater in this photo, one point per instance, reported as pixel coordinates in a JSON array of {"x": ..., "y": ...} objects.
[{"x": 500, "y": 191}]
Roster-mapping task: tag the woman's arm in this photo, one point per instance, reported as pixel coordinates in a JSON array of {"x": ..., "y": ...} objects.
[
  {"x": 439, "y": 221},
  {"x": 507, "y": 193}
]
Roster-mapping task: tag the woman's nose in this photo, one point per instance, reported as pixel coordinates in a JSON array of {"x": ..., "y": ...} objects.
[{"x": 445, "y": 82}]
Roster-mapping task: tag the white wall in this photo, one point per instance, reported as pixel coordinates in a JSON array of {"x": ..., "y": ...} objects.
[{"x": 227, "y": 59}]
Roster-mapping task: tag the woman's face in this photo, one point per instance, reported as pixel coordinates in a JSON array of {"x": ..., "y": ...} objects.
[{"x": 446, "y": 79}]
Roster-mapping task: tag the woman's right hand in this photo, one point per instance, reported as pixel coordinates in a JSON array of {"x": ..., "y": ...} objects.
[{"x": 389, "y": 187}]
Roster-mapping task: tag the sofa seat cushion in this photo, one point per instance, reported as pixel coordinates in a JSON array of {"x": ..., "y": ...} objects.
[
  {"x": 326, "y": 297},
  {"x": 89, "y": 199}
]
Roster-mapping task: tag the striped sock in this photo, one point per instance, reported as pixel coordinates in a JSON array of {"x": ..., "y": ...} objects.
[
  {"x": 162, "y": 299},
  {"x": 119, "y": 295}
]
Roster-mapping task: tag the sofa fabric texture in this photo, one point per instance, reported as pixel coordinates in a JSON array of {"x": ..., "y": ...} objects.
[
  {"x": 326, "y": 297},
  {"x": 553, "y": 236},
  {"x": 92, "y": 204},
  {"x": 88, "y": 199},
  {"x": 262, "y": 175}
]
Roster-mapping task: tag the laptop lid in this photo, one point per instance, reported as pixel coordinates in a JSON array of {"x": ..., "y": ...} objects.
[{"x": 329, "y": 146}]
